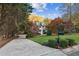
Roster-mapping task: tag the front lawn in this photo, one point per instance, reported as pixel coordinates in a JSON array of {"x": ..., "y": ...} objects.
[{"x": 42, "y": 39}]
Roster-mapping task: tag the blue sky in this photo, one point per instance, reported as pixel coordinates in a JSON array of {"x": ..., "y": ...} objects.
[{"x": 48, "y": 10}]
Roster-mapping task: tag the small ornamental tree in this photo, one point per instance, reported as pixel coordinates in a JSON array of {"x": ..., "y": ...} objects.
[{"x": 52, "y": 26}]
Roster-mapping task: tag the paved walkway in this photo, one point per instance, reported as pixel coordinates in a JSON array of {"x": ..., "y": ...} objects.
[
  {"x": 72, "y": 51},
  {"x": 25, "y": 47},
  {"x": 76, "y": 53}
]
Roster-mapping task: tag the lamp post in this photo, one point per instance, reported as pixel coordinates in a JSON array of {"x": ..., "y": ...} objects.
[
  {"x": 58, "y": 39},
  {"x": 60, "y": 28}
]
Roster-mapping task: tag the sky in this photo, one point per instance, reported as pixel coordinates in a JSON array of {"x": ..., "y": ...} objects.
[{"x": 47, "y": 10}]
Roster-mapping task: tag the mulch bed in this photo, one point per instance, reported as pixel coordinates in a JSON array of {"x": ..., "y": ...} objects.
[{"x": 5, "y": 41}]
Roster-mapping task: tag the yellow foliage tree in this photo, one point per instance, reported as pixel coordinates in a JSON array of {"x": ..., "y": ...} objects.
[{"x": 36, "y": 18}]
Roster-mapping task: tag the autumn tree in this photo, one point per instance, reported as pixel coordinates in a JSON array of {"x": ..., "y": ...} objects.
[
  {"x": 46, "y": 21},
  {"x": 52, "y": 26}
]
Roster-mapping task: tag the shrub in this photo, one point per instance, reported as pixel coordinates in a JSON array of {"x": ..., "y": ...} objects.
[
  {"x": 51, "y": 43},
  {"x": 71, "y": 42},
  {"x": 28, "y": 35},
  {"x": 54, "y": 44},
  {"x": 49, "y": 32},
  {"x": 63, "y": 43}
]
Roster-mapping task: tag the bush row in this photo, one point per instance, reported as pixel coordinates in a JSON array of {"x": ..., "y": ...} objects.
[{"x": 63, "y": 43}]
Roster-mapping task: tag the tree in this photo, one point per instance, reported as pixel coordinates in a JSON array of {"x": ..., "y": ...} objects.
[
  {"x": 11, "y": 15},
  {"x": 75, "y": 20},
  {"x": 8, "y": 26},
  {"x": 52, "y": 26},
  {"x": 24, "y": 11},
  {"x": 36, "y": 18},
  {"x": 73, "y": 14},
  {"x": 67, "y": 11},
  {"x": 46, "y": 21}
]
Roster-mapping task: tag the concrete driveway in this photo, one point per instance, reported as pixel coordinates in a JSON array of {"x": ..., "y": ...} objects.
[{"x": 26, "y": 47}]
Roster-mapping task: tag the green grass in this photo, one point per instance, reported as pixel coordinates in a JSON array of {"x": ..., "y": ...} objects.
[{"x": 45, "y": 38}]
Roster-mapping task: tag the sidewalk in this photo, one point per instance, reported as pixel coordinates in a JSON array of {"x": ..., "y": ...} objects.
[
  {"x": 26, "y": 47},
  {"x": 72, "y": 51}
]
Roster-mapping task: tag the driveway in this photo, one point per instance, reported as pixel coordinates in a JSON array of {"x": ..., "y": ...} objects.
[{"x": 26, "y": 47}]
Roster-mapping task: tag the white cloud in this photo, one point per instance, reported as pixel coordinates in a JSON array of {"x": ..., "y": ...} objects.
[
  {"x": 40, "y": 10},
  {"x": 50, "y": 15},
  {"x": 39, "y": 5},
  {"x": 54, "y": 15},
  {"x": 60, "y": 8},
  {"x": 57, "y": 8}
]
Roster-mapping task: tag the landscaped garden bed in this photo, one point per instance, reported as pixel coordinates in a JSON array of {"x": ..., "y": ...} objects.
[
  {"x": 67, "y": 40},
  {"x": 5, "y": 41}
]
